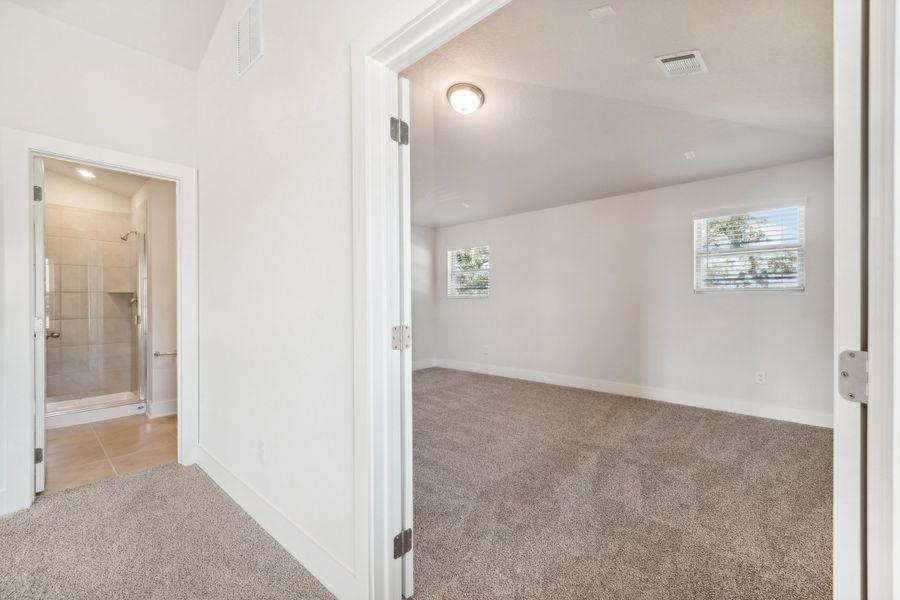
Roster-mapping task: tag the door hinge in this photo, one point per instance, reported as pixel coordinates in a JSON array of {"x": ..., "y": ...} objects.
[
  {"x": 38, "y": 193},
  {"x": 853, "y": 375},
  {"x": 403, "y": 542},
  {"x": 400, "y": 337},
  {"x": 400, "y": 131},
  {"x": 38, "y": 456}
]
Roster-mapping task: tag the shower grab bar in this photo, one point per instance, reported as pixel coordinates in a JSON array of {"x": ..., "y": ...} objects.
[{"x": 169, "y": 353}]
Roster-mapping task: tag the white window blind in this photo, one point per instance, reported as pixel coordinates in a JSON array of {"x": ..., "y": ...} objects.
[
  {"x": 469, "y": 272},
  {"x": 760, "y": 250}
]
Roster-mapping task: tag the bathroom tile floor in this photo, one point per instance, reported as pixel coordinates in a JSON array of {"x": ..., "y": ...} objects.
[{"x": 86, "y": 453}]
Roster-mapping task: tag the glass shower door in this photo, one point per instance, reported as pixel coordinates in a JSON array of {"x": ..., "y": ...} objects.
[{"x": 140, "y": 318}]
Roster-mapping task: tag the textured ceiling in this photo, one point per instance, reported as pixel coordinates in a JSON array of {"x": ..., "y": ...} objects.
[
  {"x": 177, "y": 31},
  {"x": 577, "y": 109}
]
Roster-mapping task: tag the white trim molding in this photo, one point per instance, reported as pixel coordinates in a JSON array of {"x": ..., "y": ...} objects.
[
  {"x": 397, "y": 40},
  {"x": 425, "y": 363},
  {"x": 646, "y": 392},
  {"x": 338, "y": 577},
  {"x": 17, "y": 427}
]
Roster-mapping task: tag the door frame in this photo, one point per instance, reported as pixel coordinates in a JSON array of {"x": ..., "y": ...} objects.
[
  {"x": 417, "y": 27},
  {"x": 882, "y": 419},
  {"x": 400, "y": 38},
  {"x": 17, "y": 394}
]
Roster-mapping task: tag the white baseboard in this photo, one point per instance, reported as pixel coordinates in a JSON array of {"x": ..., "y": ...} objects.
[
  {"x": 331, "y": 572},
  {"x": 734, "y": 405},
  {"x": 424, "y": 363},
  {"x": 162, "y": 408}
]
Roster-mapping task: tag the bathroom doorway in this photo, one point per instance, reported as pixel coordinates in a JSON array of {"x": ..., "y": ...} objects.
[{"x": 105, "y": 291}]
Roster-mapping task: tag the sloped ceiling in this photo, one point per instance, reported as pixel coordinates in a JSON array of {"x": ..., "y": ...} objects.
[
  {"x": 577, "y": 109},
  {"x": 177, "y": 31}
]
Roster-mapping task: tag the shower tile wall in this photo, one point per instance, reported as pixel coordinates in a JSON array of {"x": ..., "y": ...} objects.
[{"x": 91, "y": 279}]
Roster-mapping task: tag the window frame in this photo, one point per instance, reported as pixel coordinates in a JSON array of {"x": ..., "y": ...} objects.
[
  {"x": 450, "y": 251},
  {"x": 799, "y": 204}
]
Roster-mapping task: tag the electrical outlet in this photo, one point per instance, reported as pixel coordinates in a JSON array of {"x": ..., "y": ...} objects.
[
  {"x": 761, "y": 377},
  {"x": 261, "y": 452}
]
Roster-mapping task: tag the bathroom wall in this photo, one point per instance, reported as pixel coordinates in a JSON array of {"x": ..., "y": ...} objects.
[
  {"x": 153, "y": 213},
  {"x": 91, "y": 279}
]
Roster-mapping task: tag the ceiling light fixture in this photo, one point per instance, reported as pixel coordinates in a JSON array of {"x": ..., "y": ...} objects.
[
  {"x": 690, "y": 155},
  {"x": 86, "y": 174},
  {"x": 465, "y": 98}
]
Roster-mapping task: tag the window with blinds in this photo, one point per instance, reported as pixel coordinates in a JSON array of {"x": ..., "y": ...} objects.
[
  {"x": 760, "y": 250},
  {"x": 469, "y": 272}
]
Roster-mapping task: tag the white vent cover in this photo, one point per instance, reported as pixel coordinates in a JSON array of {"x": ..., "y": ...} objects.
[
  {"x": 249, "y": 37},
  {"x": 682, "y": 63}
]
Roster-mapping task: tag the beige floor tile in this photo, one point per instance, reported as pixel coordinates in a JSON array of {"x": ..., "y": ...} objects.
[
  {"x": 75, "y": 443},
  {"x": 145, "y": 458},
  {"x": 126, "y": 441},
  {"x": 76, "y": 475},
  {"x": 67, "y": 432},
  {"x": 87, "y": 452}
]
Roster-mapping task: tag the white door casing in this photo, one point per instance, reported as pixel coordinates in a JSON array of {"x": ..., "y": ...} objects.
[
  {"x": 406, "y": 299},
  {"x": 41, "y": 324},
  {"x": 416, "y": 28}
]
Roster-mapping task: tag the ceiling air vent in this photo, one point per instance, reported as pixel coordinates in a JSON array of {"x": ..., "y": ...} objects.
[
  {"x": 249, "y": 37},
  {"x": 682, "y": 63}
]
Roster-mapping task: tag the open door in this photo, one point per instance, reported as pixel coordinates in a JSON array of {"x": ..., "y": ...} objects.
[
  {"x": 41, "y": 322},
  {"x": 406, "y": 296}
]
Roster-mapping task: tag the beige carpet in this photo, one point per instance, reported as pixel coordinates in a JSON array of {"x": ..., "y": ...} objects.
[
  {"x": 532, "y": 491},
  {"x": 164, "y": 534},
  {"x": 523, "y": 491}
]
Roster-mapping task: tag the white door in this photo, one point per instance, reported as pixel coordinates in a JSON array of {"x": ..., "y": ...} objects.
[
  {"x": 41, "y": 323},
  {"x": 406, "y": 301}
]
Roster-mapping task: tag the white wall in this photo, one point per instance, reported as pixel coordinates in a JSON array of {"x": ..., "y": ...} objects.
[
  {"x": 162, "y": 245},
  {"x": 276, "y": 282},
  {"x": 599, "y": 295},
  {"x": 153, "y": 209},
  {"x": 61, "y": 81},
  {"x": 424, "y": 348}
]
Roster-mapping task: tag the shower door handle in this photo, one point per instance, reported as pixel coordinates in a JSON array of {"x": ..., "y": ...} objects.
[
  {"x": 171, "y": 353},
  {"x": 51, "y": 334}
]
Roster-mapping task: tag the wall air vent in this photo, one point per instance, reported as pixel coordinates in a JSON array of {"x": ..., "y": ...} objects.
[
  {"x": 682, "y": 63},
  {"x": 249, "y": 37}
]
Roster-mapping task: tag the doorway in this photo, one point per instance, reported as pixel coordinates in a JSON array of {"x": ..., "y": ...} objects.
[
  {"x": 23, "y": 417},
  {"x": 105, "y": 258},
  {"x": 396, "y": 44}
]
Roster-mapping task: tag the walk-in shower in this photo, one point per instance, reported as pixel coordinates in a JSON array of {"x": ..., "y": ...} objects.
[{"x": 96, "y": 307}]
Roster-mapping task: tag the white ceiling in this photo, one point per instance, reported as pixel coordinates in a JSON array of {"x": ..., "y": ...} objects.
[
  {"x": 124, "y": 184},
  {"x": 174, "y": 30},
  {"x": 577, "y": 109}
]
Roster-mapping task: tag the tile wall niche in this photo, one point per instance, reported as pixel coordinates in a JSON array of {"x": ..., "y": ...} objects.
[{"x": 91, "y": 280}]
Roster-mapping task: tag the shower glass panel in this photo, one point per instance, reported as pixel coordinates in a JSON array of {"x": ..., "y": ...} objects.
[
  {"x": 92, "y": 305},
  {"x": 140, "y": 316}
]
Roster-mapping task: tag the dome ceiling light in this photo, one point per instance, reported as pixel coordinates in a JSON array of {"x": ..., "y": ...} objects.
[{"x": 465, "y": 98}]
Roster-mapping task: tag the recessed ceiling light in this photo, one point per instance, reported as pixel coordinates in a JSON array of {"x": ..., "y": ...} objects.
[
  {"x": 465, "y": 98},
  {"x": 690, "y": 155},
  {"x": 601, "y": 11},
  {"x": 466, "y": 205},
  {"x": 86, "y": 174}
]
